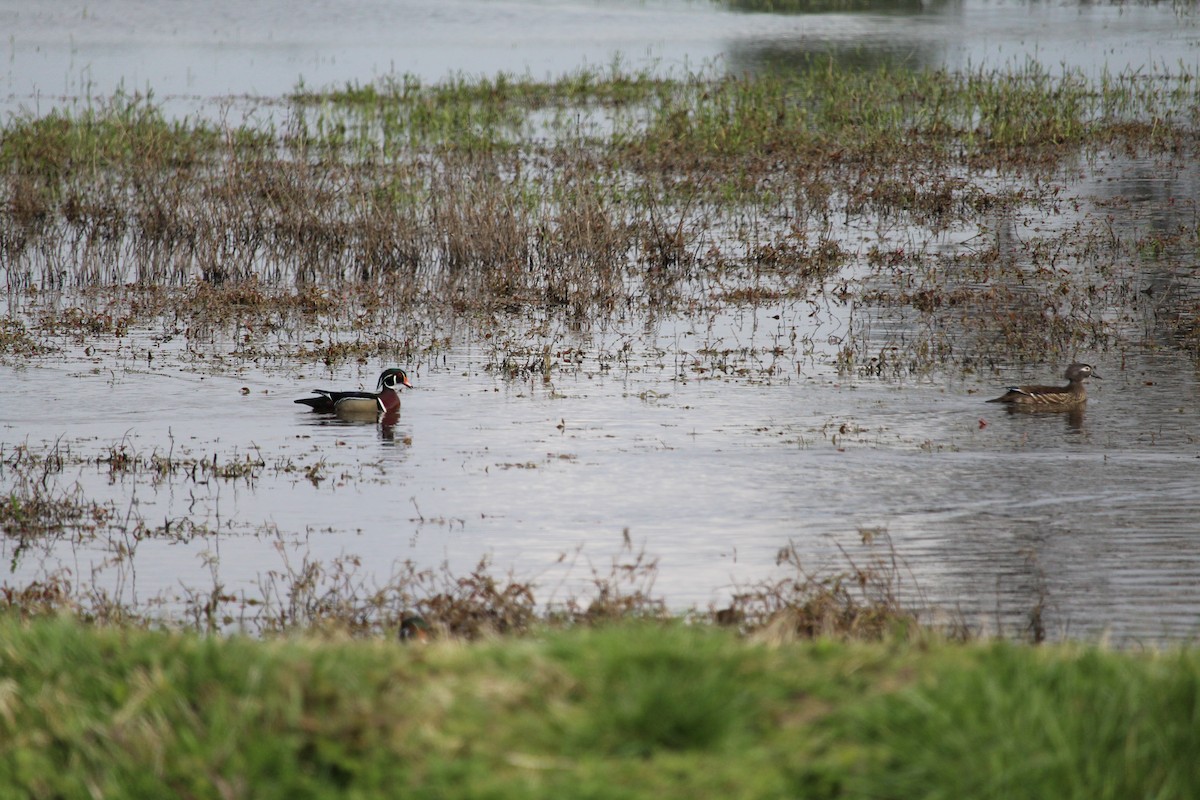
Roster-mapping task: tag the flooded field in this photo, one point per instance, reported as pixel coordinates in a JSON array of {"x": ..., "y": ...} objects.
[
  {"x": 660, "y": 327},
  {"x": 189, "y": 51}
]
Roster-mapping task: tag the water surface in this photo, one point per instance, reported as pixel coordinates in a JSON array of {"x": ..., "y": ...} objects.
[
  {"x": 1092, "y": 514},
  {"x": 711, "y": 468},
  {"x": 62, "y": 50}
]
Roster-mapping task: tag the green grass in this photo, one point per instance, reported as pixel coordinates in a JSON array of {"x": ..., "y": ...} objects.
[
  {"x": 855, "y": 112},
  {"x": 629, "y": 711},
  {"x": 126, "y": 131},
  {"x": 1081, "y": 723}
]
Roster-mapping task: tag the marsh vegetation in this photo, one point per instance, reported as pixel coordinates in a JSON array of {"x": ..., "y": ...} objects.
[
  {"x": 925, "y": 213},
  {"x": 593, "y": 196}
]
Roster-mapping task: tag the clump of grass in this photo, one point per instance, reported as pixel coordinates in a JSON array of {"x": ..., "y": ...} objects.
[
  {"x": 17, "y": 343},
  {"x": 865, "y": 601},
  {"x": 125, "y": 132},
  {"x": 36, "y": 505},
  {"x": 478, "y": 604},
  {"x": 310, "y": 595},
  {"x": 33, "y": 510}
]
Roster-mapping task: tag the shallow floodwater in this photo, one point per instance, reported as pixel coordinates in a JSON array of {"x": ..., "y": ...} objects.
[
  {"x": 1093, "y": 515},
  {"x": 194, "y": 49}
]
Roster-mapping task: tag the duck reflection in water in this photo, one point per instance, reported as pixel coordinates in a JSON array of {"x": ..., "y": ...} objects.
[
  {"x": 387, "y": 420},
  {"x": 1072, "y": 415},
  {"x": 387, "y": 425}
]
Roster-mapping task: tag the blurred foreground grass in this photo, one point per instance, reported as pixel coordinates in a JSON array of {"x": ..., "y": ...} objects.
[{"x": 634, "y": 710}]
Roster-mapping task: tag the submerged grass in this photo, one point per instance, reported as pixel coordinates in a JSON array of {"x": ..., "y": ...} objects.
[
  {"x": 631, "y": 711},
  {"x": 872, "y": 596}
]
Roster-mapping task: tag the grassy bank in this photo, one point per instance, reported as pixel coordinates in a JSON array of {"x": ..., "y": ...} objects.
[{"x": 620, "y": 712}]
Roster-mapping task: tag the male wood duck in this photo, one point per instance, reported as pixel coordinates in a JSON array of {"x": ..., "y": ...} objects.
[
  {"x": 1052, "y": 397},
  {"x": 385, "y": 399}
]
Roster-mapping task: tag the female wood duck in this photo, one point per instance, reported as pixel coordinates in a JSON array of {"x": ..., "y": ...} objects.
[
  {"x": 1052, "y": 397},
  {"x": 385, "y": 399}
]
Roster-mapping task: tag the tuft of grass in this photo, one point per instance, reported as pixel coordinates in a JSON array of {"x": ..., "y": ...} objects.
[
  {"x": 868, "y": 600},
  {"x": 17, "y": 343},
  {"x": 125, "y": 132}
]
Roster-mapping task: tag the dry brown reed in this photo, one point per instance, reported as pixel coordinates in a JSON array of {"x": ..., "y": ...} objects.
[{"x": 872, "y": 596}]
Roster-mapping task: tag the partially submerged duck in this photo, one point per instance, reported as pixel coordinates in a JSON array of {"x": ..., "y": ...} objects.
[
  {"x": 384, "y": 400},
  {"x": 1052, "y": 397}
]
